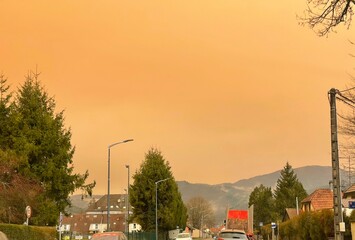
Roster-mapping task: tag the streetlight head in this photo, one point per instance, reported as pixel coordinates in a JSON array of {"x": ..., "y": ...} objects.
[
  {"x": 128, "y": 140},
  {"x": 127, "y": 166},
  {"x": 163, "y": 180}
]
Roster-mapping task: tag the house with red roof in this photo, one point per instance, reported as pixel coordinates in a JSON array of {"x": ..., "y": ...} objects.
[
  {"x": 94, "y": 219},
  {"x": 290, "y": 213},
  {"x": 318, "y": 200}
]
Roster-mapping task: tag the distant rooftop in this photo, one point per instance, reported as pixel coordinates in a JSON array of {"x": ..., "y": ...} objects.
[
  {"x": 117, "y": 202},
  {"x": 320, "y": 199}
]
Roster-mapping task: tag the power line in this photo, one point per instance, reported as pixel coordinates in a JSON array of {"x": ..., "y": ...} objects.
[
  {"x": 348, "y": 99},
  {"x": 344, "y": 101}
]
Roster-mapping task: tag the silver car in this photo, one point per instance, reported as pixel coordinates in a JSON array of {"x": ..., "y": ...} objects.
[
  {"x": 232, "y": 234},
  {"x": 183, "y": 236}
]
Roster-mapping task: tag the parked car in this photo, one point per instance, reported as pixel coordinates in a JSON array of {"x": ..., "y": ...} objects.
[
  {"x": 109, "y": 236},
  {"x": 232, "y": 234},
  {"x": 183, "y": 236}
]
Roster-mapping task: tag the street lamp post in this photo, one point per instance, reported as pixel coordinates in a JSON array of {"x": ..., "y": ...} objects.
[
  {"x": 126, "y": 217},
  {"x": 108, "y": 181},
  {"x": 156, "y": 206},
  {"x": 127, "y": 223}
]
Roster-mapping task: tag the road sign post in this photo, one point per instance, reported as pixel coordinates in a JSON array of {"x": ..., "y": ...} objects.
[
  {"x": 273, "y": 226},
  {"x": 60, "y": 225},
  {"x": 28, "y": 214}
]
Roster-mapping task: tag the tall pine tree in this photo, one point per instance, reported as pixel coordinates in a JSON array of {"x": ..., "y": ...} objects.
[
  {"x": 39, "y": 136},
  {"x": 5, "y": 123},
  {"x": 288, "y": 188},
  {"x": 171, "y": 209}
]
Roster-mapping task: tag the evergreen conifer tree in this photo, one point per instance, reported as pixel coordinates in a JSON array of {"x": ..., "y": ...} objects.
[
  {"x": 171, "y": 210},
  {"x": 5, "y": 123},
  {"x": 43, "y": 144},
  {"x": 288, "y": 188}
]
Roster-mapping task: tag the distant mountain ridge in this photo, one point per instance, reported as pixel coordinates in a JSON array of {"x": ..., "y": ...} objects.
[{"x": 236, "y": 195}]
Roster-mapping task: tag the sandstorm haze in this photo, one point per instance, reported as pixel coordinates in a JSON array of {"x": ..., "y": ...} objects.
[{"x": 225, "y": 89}]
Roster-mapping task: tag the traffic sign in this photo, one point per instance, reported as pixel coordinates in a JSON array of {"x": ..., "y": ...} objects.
[
  {"x": 351, "y": 204},
  {"x": 273, "y": 225},
  {"x": 28, "y": 211}
]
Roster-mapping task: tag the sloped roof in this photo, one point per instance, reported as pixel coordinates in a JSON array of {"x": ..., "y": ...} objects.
[
  {"x": 350, "y": 191},
  {"x": 291, "y": 212},
  {"x": 320, "y": 199},
  {"x": 117, "y": 203},
  {"x": 81, "y": 222}
]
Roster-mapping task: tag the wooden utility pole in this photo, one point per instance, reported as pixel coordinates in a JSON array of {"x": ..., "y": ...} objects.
[{"x": 338, "y": 214}]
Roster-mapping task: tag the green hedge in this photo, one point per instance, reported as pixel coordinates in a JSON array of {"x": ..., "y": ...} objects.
[
  {"x": 21, "y": 232},
  {"x": 317, "y": 225}
]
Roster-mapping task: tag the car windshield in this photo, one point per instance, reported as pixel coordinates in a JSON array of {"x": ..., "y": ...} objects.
[
  {"x": 183, "y": 235},
  {"x": 235, "y": 235}
]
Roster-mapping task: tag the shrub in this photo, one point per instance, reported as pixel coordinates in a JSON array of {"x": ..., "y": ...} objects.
[
  {"x": 20, "y": 232},
  {"x": 310, "y": 225}
]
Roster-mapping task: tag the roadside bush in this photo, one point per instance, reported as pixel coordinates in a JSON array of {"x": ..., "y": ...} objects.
[
  {"x": 288, "y": 230},
  {"x": 265, "y": 231},
  {"x": 20, "y": 232},
  {"x": 316, "y": 229},
  {"x": 308, "y": 226}
]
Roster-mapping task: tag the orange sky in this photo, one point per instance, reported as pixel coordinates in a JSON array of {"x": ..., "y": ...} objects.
[{"x": 226, "y": 89}]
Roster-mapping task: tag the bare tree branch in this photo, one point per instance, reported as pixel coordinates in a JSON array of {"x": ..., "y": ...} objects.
[{"x": 324, "y": 15}]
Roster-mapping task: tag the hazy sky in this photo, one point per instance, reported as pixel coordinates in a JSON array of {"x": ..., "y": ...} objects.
[{"x": 226, "y": 89}]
